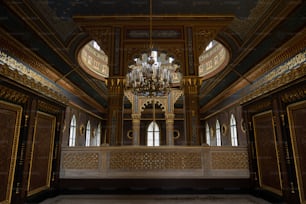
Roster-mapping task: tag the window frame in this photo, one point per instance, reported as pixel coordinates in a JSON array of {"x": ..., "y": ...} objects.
[{"x": 155, "y": 134}]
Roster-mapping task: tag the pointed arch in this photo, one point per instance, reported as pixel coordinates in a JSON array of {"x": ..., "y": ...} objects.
[
  {"x": 87, "y": 135},
  {"x": 98, "y": 135},
  {"x": 72, "y": 135},
  {"x": 207, "y": 133},
  {"x": 234, "y": 136},
  {"x": 218, "y": 133}
]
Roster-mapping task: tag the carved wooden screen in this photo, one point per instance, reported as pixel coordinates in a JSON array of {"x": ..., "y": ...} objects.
[
  {"x": 10, "y": 118},
  {"x": 42, "y": 153},
  {"x": 266, "y": 153},
  {"x": 297, "y": 113}
]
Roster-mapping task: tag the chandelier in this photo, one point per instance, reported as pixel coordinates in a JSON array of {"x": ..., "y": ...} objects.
[{"x": 153, "y": 74}]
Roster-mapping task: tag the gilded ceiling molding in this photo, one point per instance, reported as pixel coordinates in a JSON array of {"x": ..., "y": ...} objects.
[
  {"x": 31, "y": 83},
  {"x": 12, "y": 95},
  {"x": 290, "y": 71}
]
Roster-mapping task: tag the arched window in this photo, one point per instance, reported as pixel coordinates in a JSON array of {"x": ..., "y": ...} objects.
[
  {"x": 72, "y": 135},
  {"x": 207, "y": 134},
  {"x": 153, "y": 134},
  {"x": 98, "y": 135},
  {"x": 218, "y": 133},
  {"x": 87, "y": 136},
  {"x": 234, "y": 135}
]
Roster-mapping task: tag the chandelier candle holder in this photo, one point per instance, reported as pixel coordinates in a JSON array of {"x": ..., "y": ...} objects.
[{"x": 153, "y": 75}]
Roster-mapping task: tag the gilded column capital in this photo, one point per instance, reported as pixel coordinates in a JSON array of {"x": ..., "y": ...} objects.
[
  {"x": 116, "y": 85},
  {"x": 191, "y": 85}
]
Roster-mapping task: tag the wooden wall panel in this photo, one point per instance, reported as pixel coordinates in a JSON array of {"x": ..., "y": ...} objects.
[
  {"x": 267, "y": 153},
  {"x": 297, "y": 113},
  {"x": 10, "y": 118},
  {"x": 42, "y": 153}
]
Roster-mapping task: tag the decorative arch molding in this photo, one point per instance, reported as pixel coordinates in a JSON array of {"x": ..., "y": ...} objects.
[
  {"x": 167, "y": 105},
  {"x": 214, "y": 60},
  {"x": 93, "y": 60},
  {"x": 166, "y": 102},
  {"x": 148, "y": 101}
]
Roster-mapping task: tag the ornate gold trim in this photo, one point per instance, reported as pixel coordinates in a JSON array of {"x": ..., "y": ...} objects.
[
  {"x": 224, "y": 129},
  {"x": 49, "y": 170},
  {"x": 34, "y": 84},
  {"x": 279, "y": 76},
  {"x": 129, "y": 134},
  {"x": 291, "y": 96},
  {"x": 12, "y": 95},
  {"x": 82, "y": 129},
  {"x": 10, "y": 182},
  {"x": 261, "y": 184},
  {"x": 242, "y": 126},
  {"x": 294, "y": 148}
]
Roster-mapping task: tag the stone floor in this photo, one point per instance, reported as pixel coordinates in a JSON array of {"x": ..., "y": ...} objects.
[{"x": 155, "y": 199}]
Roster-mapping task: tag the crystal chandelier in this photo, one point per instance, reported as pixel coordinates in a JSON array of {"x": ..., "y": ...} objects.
[{"x": 153, "y": 74}]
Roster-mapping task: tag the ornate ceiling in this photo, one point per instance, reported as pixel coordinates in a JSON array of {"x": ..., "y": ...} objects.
[{"x": 56, "y": 30}]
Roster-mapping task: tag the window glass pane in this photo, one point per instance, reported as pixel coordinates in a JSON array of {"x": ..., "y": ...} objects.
[
  {"x": 150, "y": 139},
  {"x": 218, "y": 133},
  {"x": 87, "y": 136},
  {"x": 234, "y": 136},
  {"x": 72, "y": 131},
  {"x": 207, "y": 134},
  {"x": 153, "y": 134}
]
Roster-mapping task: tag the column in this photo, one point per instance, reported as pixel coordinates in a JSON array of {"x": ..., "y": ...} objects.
[
  {"x": 136, "y": 129},
  {"x": 192, "y": 110},
  {"x": 169, "y": 128},
  {"x": 115, "y": 116}
]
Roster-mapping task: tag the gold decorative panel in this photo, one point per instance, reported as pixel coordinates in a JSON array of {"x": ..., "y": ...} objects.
[
  {"x": 10, "y": 117},
  {"x": 229, "y": 160},
  {"x": 143, "y": 160},
  {"x": 80, "y": 160},
  {"x": 40, "y": 171}
]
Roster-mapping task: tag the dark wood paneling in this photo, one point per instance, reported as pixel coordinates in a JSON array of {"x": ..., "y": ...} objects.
[
  {"x": 297, "y": 113},
  {"x": 10, "y": 118},
  {"x": 266, "y": 150},
  {"x": 42, "y": 153}
]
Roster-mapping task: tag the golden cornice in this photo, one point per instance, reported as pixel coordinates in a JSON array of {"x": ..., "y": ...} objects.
[
  {"x": 12, "y": 95},
  {"x": 215, "y": 20},
  {"x": 31, "y": 83},
  {"x": 276, "y": 83}
]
